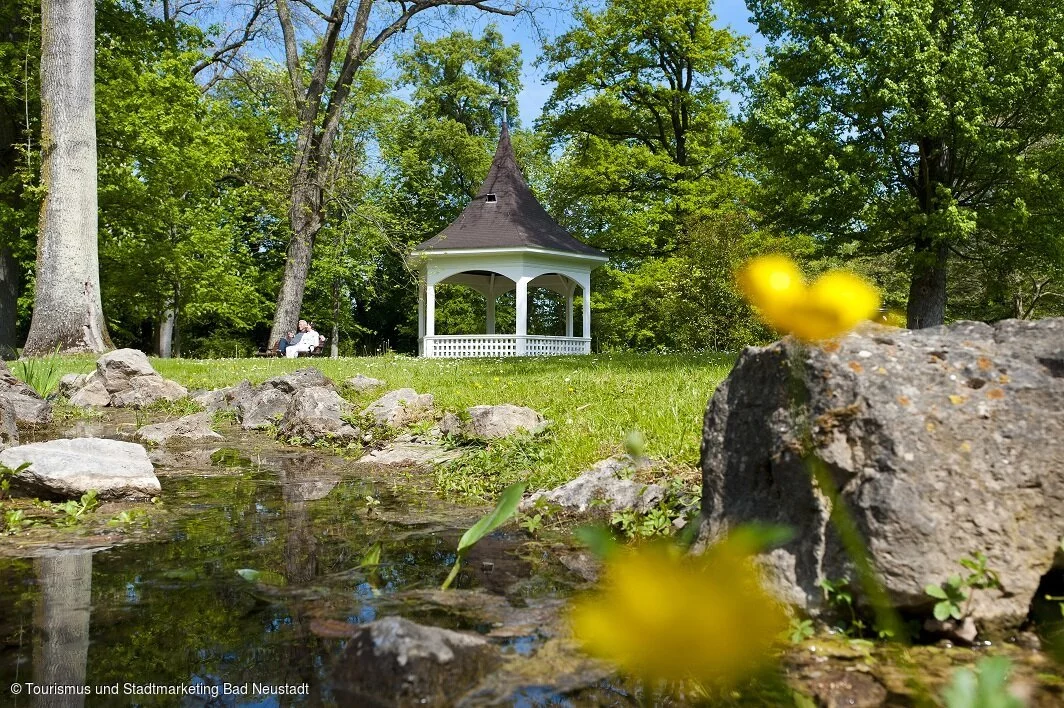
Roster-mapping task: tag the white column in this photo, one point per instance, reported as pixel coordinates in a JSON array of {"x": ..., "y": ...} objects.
[
  {"x": 430, "y": 318},
  {"x": 421, "y": 317},
  {"x": 587, "y": 313},
  {"x": 569, "y": 310},
  {"x": 522, "y": 313},
  {"x": 490, "y": 297}
]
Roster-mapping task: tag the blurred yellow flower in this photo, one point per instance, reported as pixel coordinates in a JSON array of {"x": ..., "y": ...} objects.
[
  {"x": 662, "y": 615},
  {"x": 834, "y": 304}
]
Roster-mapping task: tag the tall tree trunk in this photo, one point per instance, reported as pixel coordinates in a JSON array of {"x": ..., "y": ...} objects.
[
  {"x": 67, "y": 311},
  {"x": 334, "y": 345},
  {"x": 164, "y": 345},
  {"x": 927, "y": 288},
  {"x": 9, "y": 287},
  {"x": 306, "y": 218}
]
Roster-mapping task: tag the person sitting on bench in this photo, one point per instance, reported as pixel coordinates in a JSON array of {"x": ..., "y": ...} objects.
[{"x": 301, "y": 342}]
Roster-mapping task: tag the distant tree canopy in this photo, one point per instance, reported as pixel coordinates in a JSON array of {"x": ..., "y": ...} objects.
[
  {"x": 918, "y": 143},
  {"x": 933, "y": 129}
]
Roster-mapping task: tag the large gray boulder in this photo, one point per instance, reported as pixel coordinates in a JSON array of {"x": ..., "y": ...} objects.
[
  {"x": 118, "y": 367},
  {"x": 318, "y": 413},
  {"x": 142, "y": 391},
  {"x": 221, "y": 399},
  {"x": 410, "y": 454},
  {"x": 264, "y": 408},
  {"x": 400, "y": 407},
  {"x": 30, "y": 408},
  {"x": 67, "y": 468},
  {"x": 608, "y": 481},
  {"x": 123, "y": 378},
  {"x": 310, "y": 377},
  {"x": 493, "y": 422},
  {"x": 8, "y": 424},
  {"x": 92, "y": 393},
  {"x": 395, "y": 662},
  {"x": 190, "y": 428},
  {"x": 942, "y": 442}
]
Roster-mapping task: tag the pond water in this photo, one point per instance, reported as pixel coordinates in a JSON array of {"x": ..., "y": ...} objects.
[{"x": 251, "y": 573}]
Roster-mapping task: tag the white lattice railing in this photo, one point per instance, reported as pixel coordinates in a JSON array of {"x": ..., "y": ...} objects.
[{"x": 496, "y": 345}]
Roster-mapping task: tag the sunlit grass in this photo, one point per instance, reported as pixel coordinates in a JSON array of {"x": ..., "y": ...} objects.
[{"x": 593, "y": 401}]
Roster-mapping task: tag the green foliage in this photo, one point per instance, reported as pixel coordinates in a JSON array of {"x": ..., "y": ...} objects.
[
  {"x": 506, "y": 506},
  {"x": 6, "y": 475},
  {"x": 931, "y": 130},
  {"x": 950, "y": 595},
  {"x": 839, "y": 598},
  {"x": 800, "y": 630},
  {"x": 42, "y": 374},
  {"x": 73, "y": 509},
  {"x": 955, "y": 595},
  {"x": 129, "y": 517},
  {"x": 986, "y": 687}
]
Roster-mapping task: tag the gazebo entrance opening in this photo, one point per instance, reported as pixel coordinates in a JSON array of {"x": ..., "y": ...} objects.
[{"x": 510, "y": 328}]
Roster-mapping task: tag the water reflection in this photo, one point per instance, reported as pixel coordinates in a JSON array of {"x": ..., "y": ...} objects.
[
  {"x": 61, "y": 625},
  {"x": 174, "y": 611}
]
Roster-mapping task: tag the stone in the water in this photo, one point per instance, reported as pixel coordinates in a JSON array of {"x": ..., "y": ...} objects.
[
  {"x": 395, "y": 662},
  {"x": 266, "y": 407},
  {"x": 942, "y": 442},
  {"x": 8, "y": 426},
  {"x": 91, "y": 394},
  {"x": 30, "y": 408},
  {"x": 410, "y": 454},
  {"x": 67, "y": 468},
  {"x": 190, "y": 428},
  {"x": 400, "y": 407},
  {"x": 122, "y": 378},
  {"x": 318, "y": 412},
  {"x": 146, "y": 390},
  {"x": 604, "y": 482},
  {"x": 221, "y": 399},
  {"x": 362, "y": 383}
]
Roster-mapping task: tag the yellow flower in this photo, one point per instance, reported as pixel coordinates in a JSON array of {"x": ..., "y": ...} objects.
[
  {"x": 834, "y": 304},
  {"x": 659, "y": 615}
]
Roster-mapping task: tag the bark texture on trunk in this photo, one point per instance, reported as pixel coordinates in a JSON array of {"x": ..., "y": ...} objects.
[
  {"x": 9, "y": 287},
  {"x": 305, "y": 217},
  {"x": 164, "y": 344},
  {"x": 67, "y": 311},
  {"x": 927, "y": 288}
]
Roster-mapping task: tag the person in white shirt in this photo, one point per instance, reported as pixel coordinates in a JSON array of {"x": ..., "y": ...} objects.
[{"x": 306, "y": 340}]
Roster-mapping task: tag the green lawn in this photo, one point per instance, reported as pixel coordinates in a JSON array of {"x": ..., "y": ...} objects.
[{"x": 593, "y": 401}]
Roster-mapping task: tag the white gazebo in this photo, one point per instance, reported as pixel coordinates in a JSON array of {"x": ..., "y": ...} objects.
[{"x": 504, "y": 240}]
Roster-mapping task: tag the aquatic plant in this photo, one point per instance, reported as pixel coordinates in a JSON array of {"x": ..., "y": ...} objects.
[{"x": 504, "y": 509}]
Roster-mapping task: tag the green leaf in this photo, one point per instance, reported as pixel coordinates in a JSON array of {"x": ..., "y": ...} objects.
[
  {"x": 943, "y": 610},
  {"x": 598, "y": 539},
  {"x": 936, "y": 592},
  {"x": 265, "y": 577},
  {"x": 504, "y": 509}
]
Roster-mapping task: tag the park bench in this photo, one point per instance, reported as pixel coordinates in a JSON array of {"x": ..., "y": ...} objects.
[{"x": 271, "y": 350}]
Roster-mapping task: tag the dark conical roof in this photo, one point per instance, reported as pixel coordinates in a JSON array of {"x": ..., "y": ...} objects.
[{"x": 514, "y": 219}]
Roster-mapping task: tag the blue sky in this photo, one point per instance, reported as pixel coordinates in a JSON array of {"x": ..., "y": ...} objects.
[
  {"x": 521, "y": 30},
  {"x": 730, "y": 13}
]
